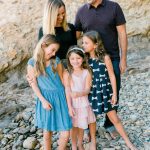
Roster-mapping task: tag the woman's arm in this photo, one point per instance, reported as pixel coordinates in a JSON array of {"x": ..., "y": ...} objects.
[
  {"x": 34, "y": 85},
  {"x": 112, "y": 77}
]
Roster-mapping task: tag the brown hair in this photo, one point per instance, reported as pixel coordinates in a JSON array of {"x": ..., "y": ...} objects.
[
  {"x": 50, "y": 16},
  {"x": 96, "y": 39},
  {"x": 79, "y": 51}
]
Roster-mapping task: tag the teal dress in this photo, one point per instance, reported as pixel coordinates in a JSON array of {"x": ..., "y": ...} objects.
[{"x": 52, "y": 89}]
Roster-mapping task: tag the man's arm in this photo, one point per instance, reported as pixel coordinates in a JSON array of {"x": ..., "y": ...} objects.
[{"x": 123, "y": 44}]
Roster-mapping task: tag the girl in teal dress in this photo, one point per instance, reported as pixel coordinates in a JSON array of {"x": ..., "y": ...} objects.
[{"x": 51, "y": 107}]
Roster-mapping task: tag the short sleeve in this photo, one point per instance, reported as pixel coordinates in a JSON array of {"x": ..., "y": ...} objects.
[
  {"x": 31, "y": 62},
  {"x": 77, "y": 23},
  {"x": 57, "y": 60},
  {"x": 119, "y": 16}
]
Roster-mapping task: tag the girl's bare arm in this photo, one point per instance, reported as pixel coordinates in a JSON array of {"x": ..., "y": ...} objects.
[
  {"x": 34, "y": 85},
  {"x": 111, "y": 74}
]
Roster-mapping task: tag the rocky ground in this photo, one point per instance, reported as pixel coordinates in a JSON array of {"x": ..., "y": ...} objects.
[{"x": 17, "y": 131}]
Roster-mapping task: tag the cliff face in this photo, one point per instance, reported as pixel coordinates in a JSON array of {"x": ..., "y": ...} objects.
[{"x": 20, "y": 21}]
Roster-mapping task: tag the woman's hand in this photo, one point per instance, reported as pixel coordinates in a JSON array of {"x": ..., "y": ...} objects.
[
  {"x": 71, "y": 112},
  {"x": 46, "y": 105}
]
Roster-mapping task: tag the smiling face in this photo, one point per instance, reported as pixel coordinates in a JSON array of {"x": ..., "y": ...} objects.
[
  {"x": 61, "y": 15},
  {"x": 51, "y": 50},
  {"x": 75, "y": 60}
]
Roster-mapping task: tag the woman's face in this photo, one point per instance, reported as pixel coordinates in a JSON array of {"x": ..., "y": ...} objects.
[{"x": 61, "y": 15}]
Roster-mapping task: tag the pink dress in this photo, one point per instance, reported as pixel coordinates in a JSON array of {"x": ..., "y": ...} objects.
[{"x": 83, "y": 112}]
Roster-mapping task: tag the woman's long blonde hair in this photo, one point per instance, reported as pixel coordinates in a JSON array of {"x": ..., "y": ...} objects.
[
  {"x": 39, "y": 54},
  {"x": 50, "y": 16}
]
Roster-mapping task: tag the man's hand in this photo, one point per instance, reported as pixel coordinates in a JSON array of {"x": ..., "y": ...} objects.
[{"x": 123, "y": 66}]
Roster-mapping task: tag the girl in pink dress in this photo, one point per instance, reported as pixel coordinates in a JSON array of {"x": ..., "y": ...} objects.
[{"x": 77, "y": 81}]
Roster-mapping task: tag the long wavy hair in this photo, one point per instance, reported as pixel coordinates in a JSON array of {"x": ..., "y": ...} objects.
[
  {"x": 50, "y": 16},
  {"x": 94, "y": 36},
  {"x": 39, "y": 54},
  {"x": 79, "y": 51}
]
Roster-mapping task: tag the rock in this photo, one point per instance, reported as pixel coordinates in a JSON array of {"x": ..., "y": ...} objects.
[
  {"x": 1, "y": 131},
  {"x": 107, "y": 136},
  {"x": 26, "y": 116},
  {"x": 9, "y": 136},
  {"x": 4, "y": 141},
  {"x": 30, "y": 143},
  {"x": 13, "y": 125},
  {"x": 1, "y": 136},
  {"x": 101, "y": 132},
  {"x": 87, "y": 146},
  {"x": 109, "y": 149},
  {"x": 33, "y": 129},
  {"x": 24, "y": 130},
  {"x": 55, "y": 145}
]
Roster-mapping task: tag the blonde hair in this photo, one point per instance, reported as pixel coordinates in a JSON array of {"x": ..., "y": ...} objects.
[
  {"x": 39, "y": 55},
  {"x": 96, "y": 39},
  {"x": 50, "y": 16},
  {"x": 79, "y": 51}
]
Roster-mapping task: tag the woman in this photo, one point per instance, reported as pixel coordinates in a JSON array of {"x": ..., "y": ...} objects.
[{"x": 54, "y": 22}]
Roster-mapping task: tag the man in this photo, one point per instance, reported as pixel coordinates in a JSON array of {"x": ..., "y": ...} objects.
[{"x": 107, "y": 18}]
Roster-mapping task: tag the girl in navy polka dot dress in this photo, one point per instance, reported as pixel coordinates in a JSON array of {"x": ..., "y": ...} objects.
[{"x": 103, "y": 95}]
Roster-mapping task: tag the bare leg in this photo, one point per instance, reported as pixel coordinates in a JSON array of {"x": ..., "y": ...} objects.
[
  {"x": 119, "y": 127},
  {"x": 47, "y": 138},
  {"x": 80, "y": 139},
  {"x": 63, "y": 140},
  {"x": 92, "y": 127},
  {"x": 74, "y": 133}
]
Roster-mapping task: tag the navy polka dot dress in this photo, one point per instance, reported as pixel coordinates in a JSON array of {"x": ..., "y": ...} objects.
[{"x": 101, "y": 91}]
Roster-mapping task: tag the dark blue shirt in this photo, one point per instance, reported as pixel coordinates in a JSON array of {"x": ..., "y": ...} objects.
[{"x": 104, "y": 20}]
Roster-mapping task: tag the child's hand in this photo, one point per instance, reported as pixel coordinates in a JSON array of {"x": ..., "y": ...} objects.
[
  {"x": 71, "y": 112},
  {"x": 74, "y": 94},
  {"x": 46, "y": 105},
  {"x": 114, "y": 100}
]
